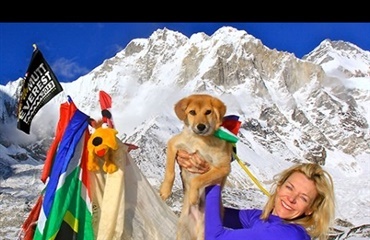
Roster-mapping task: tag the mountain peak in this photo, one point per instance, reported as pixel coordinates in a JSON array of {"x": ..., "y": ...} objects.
[{"x": 341, "y": 59}]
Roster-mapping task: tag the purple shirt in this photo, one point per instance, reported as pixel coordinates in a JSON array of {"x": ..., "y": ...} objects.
[{"x": 245, "y": 224}]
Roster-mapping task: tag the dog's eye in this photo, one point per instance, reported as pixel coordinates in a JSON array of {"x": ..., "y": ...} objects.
[
  {"x": 208, "y": 112},
  {"x": 192, "y": 112}
]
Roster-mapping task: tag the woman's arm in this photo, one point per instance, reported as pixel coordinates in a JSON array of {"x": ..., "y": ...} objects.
[
  {"x": 248, "y": 222},
  {"x": 213, "y": 223},
  {"x": 214, "y": 228}
]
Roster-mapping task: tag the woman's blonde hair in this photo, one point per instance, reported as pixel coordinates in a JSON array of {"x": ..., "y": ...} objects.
[{"x": 318, "y": 223}]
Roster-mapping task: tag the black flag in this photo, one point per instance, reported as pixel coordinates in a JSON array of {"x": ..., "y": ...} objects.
[{"x": 40, "y": 85}]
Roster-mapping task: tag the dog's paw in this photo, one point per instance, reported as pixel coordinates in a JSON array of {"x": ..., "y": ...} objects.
[
  {"x": 110, "y": 167},
  {"x": 92, "y": 166},
  {"x": 164, "y": 192},
  {"x": 164, "y": 196}
]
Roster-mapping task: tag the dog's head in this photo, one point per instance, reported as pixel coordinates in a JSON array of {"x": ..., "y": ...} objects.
[
  {"x": 202, "y": 113},
  {"x": 102, "y": 139}
]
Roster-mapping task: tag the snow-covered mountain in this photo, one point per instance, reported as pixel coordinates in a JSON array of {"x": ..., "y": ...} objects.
[{"x": 292, "y": 110}]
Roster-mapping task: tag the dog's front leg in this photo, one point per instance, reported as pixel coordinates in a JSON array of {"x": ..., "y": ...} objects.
[
  {"x": 216, "y": 175},
  {"x": 92, "y": 163},
  {"x": 109, "y": 166},
  {"x": 169, "y": 176}
]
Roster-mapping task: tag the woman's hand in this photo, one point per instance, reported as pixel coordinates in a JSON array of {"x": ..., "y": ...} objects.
[{"x": 192, "y": 162}]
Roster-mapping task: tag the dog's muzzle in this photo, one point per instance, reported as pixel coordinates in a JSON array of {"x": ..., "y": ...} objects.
[
  {"x": 97, "y": 141},
  {"x": 201, "y": 129}
]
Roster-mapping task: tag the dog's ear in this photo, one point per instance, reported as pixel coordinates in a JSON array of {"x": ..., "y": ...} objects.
[
  {"x": 180, "y": 108},
  {"x": 220, "y": 107},
  {"x": 92, "y": 122}
]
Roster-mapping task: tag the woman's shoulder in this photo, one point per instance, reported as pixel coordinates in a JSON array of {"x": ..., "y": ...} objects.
[
  {"x": 254, "y": 211},
  {"x": 297, "y": 231},
  {"x": 274, "y": 224},
  {"x": 251, "y": 213}
]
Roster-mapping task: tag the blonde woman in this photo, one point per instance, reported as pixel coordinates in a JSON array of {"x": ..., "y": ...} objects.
[{"x": 301, "y": 206}]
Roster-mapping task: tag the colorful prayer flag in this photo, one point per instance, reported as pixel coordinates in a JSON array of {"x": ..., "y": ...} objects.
[
  {"x": 82, "y": 205},
  {"x": 229, "y": 129},
  {"x": 66, "y": 211}
]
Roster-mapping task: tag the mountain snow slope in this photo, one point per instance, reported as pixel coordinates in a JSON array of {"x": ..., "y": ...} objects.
[{"x": 292, "y": 110}]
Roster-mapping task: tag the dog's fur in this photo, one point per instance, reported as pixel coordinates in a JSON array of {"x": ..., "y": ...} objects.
[
  {"x": 201, "y": 114},
  {"x": 100, "y": 145}
]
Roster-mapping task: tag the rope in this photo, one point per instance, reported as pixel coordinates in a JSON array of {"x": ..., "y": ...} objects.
[{"x": 254, "y": 179}]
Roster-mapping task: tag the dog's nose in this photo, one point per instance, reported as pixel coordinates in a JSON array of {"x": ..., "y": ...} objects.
[
  {"x": 201, "y": 127},
  {"x": 97, "y": 141}
]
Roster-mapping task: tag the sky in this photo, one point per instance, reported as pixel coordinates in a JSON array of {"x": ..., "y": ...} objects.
[{"x": 73, "y": 49}]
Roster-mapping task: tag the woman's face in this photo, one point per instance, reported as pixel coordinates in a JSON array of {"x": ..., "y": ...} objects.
[{"x": 295, "y": 197}]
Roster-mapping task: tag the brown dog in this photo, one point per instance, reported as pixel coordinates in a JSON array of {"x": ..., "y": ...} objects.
[
  {"x": 101, "y": 144},
  {"x": 202, "y": 115}
]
